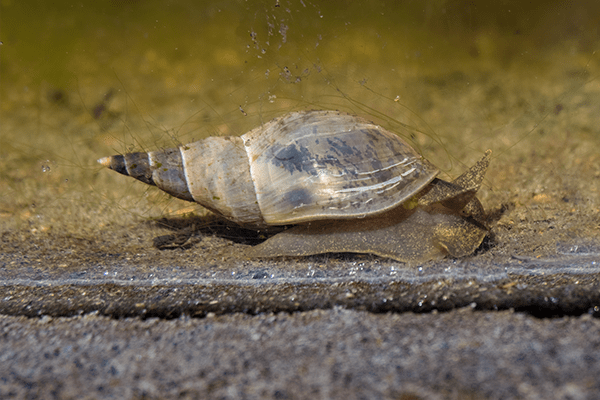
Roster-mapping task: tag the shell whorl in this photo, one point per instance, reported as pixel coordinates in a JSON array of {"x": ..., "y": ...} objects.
[
  {"x": 317, "y": 165},
  {"x": 158, "y": 168},
  {"x": 217, "y": 172}
]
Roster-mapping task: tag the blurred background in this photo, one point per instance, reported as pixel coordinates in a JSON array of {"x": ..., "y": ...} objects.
[{"x": 82, "y": 80}]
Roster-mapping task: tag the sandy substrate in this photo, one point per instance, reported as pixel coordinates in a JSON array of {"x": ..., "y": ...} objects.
[{"x": 320, "y": 354}]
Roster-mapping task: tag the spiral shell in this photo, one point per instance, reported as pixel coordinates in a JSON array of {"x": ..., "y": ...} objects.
[{"x": 300, "y": 167}]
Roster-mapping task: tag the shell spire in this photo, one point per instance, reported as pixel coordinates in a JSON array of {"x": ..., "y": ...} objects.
[{"x": 158, "y": 168}]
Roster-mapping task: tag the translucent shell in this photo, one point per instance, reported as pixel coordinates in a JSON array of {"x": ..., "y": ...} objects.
[{"x": 329, "y": 165}]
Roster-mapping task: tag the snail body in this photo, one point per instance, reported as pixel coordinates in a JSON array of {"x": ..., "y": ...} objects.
[{"x": 347, "y": 184}]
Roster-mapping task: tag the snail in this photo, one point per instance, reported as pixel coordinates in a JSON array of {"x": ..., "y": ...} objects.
[{"x": 336, "y": 182}]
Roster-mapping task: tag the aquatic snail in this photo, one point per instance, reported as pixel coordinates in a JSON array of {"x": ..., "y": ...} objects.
[{"x": 337, "y": 182}]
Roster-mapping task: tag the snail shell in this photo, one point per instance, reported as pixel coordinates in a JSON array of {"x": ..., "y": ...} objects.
[{"x": 302, "y": 167}]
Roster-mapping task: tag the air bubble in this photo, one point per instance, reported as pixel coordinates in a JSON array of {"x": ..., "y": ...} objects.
[{"x": 46, "y": 166}]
